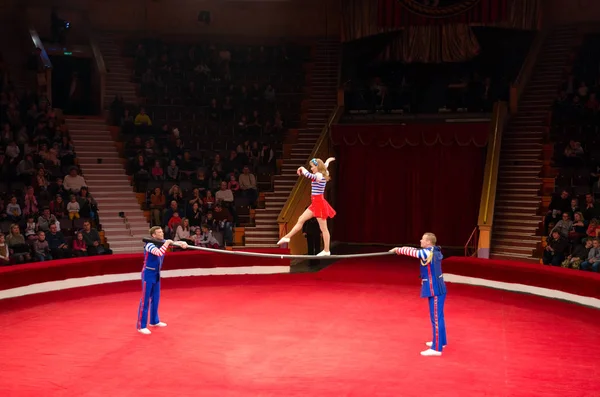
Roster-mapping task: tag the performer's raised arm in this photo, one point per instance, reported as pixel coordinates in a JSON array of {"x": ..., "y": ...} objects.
[
  {"x": 329, "y": 160},
  {"x": 313, "y": 177},
  {"x": 410, "y": 251},
  {"x": 151, "y": 248}
]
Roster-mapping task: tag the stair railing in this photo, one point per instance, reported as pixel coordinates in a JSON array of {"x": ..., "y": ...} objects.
[
  {"x": 490, "y": 179},
  {"x": 471, "y": 245},
  {"x": 518, "y": 86},
  {"x": 99, "y": 67},
  {"x": 45, "y": 76}
]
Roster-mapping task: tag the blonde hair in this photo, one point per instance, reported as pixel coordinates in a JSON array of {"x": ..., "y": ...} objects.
[
  {"x": 431, "y": 237},
  {"x": 153, "y": 230},
  {"x": 321, "y": 168}
]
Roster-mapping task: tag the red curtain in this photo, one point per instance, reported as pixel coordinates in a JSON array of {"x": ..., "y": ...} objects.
[
  {"x": 403, "y": 13},
  {"x": 395, "y": 183}
]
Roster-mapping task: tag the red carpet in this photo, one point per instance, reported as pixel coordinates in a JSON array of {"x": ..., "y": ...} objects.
[{"x": 354, "y": 329}]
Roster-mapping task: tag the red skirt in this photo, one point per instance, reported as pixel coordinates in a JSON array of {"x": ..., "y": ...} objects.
[{"x": 321, "y": 208}]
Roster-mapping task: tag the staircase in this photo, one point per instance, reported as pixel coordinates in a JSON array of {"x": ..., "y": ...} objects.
[
  {"x": 118, "y": 79},
  {"x": 322, "y": 101},
  {"x": 108, "y": 184},
  {"x": 519, "y": 183}
]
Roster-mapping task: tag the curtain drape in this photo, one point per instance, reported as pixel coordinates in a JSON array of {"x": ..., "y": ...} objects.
[
  {"x": 433, "y": 44},
  {"x": 402, "y": 13},
  {"x": 359, "y": 19},
  {"x": 396, "y": 182},
  {"x": 523, "y": 14}
]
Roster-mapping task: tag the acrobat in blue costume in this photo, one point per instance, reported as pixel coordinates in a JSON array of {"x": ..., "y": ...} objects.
[{"x": 432, "y": 287}]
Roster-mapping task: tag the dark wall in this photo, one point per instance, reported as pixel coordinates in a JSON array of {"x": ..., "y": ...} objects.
[{"x": 63, "y": 69}]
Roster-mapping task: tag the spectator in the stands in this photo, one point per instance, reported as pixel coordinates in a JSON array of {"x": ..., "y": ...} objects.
[
  {"x": 30, "y": 229},
  {"x": 172, "y": 171},
  {"x": 558, "y": 206},
  {"x": 45, "y": 220},
  {"x": 58, "y": 207},
  {"x": 4, "y": 251},
  {"x": 30, "y": 203},
  {"x": 199, "y": 180},
  {"x": 182, "y": 232},
  {"x": 225, "y": 222},
  {"x": 578, "y": 229},
  {"x": 41, "y": 249},
  {"x": 224, "y": 196},
  {"x": 173, "y": 223},
  {"x": 233, "y": 185},
  {"x": 580, "y": 254},
  {"x": 92, "y": 240},
  {"x": 593, "y": 228},
  {"x": 248, "y": 187},
  {"x": 175, "y": 194},
  {"x": 26, "y": 169},
  {"x": 590, "y": 211},
  {"x": 214, "y": 183},
  {"x": 13, "y": 210},
  {"x": 79, "y": 245},
  {"x": 158, "y": 173},
  {"x": 195, "y": 199},
  {"x": 73, "y": 182},
  {"x": 88, "y": 206},
  {"x": 208, "y": 201},
  {"x": 195, "y": 216},
  {"x": 554, "y": 253},
  {"x": 574, "y": 207},
  {"x": 573, "y": 153},
  {"x": 157, "y": 204},
  {"x": 563, "y": 227},
  {"x": 142, "y": 119},
  {"x": 117, "y": 109},
  {"x": 593, "y": 260},
  {"x": 58, "y": 245},
  {"x": 19, "y": 250},
  {"x": 73, "y": 208},
  {"x": 168, "y": 213}
]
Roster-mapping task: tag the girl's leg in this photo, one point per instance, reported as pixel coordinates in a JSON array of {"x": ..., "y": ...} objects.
[
  {"x": 306, "y": 215},
  {"x": 325, "y": 232}
]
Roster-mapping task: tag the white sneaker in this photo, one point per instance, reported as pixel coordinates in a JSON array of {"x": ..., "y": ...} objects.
[
  {"x": 324, "y": 253},
  {"x": 283, "y": 240},
  {"x": 144, "y": 331},
  {"x": 429, "y": 344},
  {"x": 431, "y": 353},
  {"x": 160, "y": 324}
]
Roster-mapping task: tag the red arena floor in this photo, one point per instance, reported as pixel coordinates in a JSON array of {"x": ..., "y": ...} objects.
[{"x": 353, "y": 329}]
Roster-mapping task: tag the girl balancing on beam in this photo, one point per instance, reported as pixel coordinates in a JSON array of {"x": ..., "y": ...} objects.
[{"x": 319, "y": 207}]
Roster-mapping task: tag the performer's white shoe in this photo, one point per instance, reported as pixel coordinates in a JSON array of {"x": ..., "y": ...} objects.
[
  {"x": 324, "y": 253},
  {"x": 429, "y": 344},
  {"x": 144, "y": 331},
  {"x": 283, "y": 240},
  {"x": 431, "y": 353},
  {"x": 159, "y": 324}
]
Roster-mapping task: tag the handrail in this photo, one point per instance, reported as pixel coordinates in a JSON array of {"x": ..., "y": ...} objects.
[
  {"x": 37, "y": 43},
  {"x": 302, "y": 182},
  {"x": 518, "y": 86},
  {"x": 472, "y": 237},
  {"x": 488, "y": 196},
  {"x": 101, "y": 69}
]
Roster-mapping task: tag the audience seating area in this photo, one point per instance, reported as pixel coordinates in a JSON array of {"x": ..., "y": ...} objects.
[
  {"x": 46, "y": 211},
  {"x": 572, "y": 220},
  {"x": 211, "y": 128},
  {"x": 376, "y": 86}
]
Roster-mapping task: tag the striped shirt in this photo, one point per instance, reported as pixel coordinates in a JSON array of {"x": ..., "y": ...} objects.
[
  {"x": 422, "y": 254},
  {"x": 153, "y": 256},
  {"x": 318, "y": 183}
]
